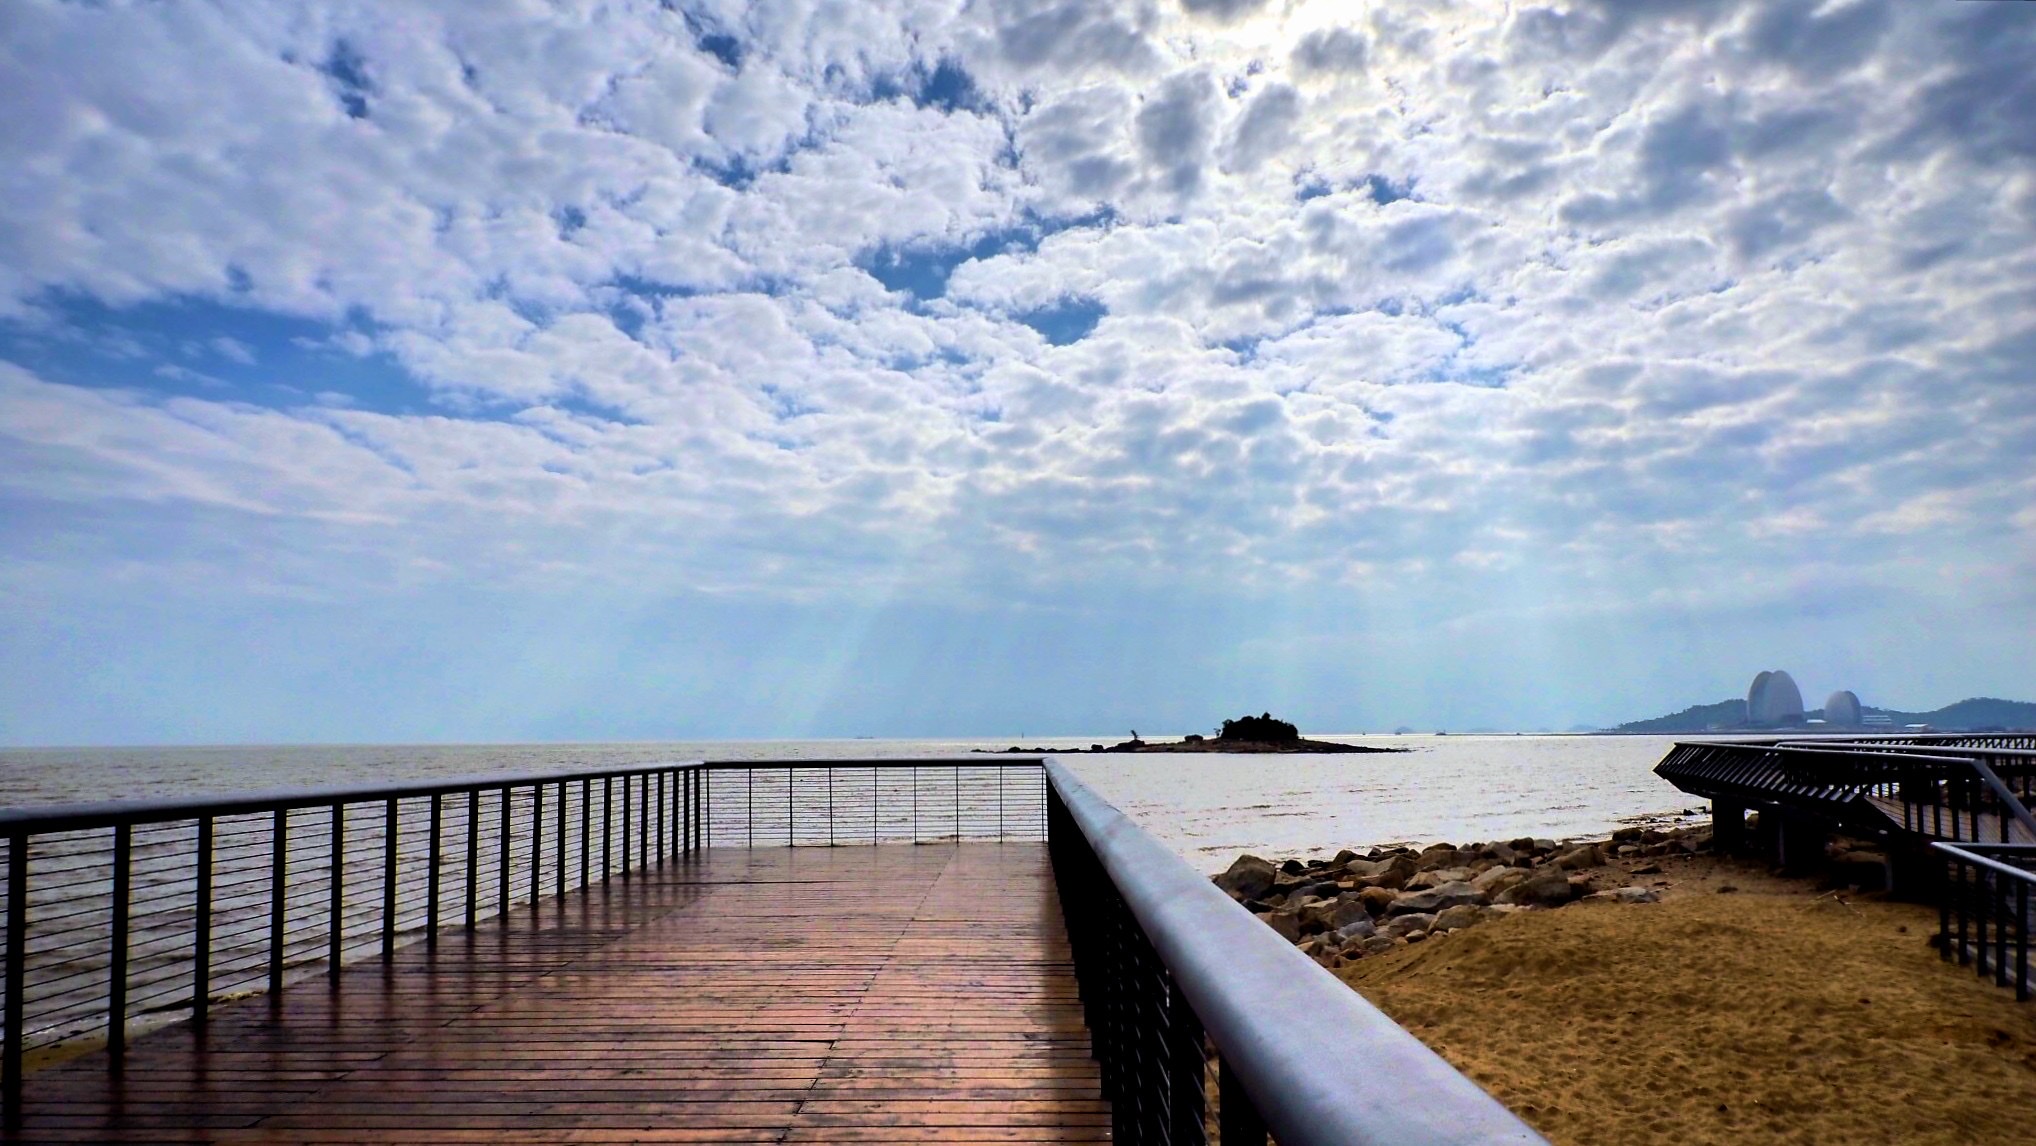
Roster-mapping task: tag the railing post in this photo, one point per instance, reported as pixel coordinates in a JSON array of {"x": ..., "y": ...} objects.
[
  {"x": 502, "y": 868},
  {"x": 586, "y": 829},
  {"x": 749, "y": 807},
  {"x": 625, "y": 827},
  {"x": 607, "y": 826},
  {"x": 1188, "y": 1064},
  {"x": 2021, "y": 940},
  {"x": 473, "y": 857},
  {"x": 201, "y": 948},
  {"x": 644, "y": 819},
  {"x": 336, "y": 903},
  {"x": 559, "y": 878},
  {"x": 388, "y": 880},
  {"x": 116, "y": 960},
  {"x": 17, "y": 978},
  {"x": 433, "y": 851},
  {"x": 279, "y": 902},
  {"x": 536, "y": 843},
  {"x": 830, "y": 807},
  {"x": 1238, "y": 1121}
]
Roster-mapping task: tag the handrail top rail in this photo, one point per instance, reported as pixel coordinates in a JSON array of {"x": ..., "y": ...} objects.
[
  {"x": 888, "y": 763},
  {"x": 34, "y": 819},
  {"x": 1322, "y": 1065},
  {"x": 38, "y": 818},
  {"x": 1877, "y": 745},
  {"x": 1968, "y": 855}
]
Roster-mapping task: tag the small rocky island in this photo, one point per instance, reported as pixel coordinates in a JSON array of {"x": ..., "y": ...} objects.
[{"x": 1258, "y": 734}]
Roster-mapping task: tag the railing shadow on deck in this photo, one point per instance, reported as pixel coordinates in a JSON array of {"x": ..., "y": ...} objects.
[{"x": 117, "y": 912}]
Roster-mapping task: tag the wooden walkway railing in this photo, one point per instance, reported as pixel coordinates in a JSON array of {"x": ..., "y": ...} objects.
[{"x": 851, "y": 994}]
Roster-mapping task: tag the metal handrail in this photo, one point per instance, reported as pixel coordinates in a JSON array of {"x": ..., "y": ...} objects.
[
  {"x": 36, "y": 819},
  {"x": 1322, "y": 1066},
  {"x": 240, "y": 861},
  {"x": 1980, "y": 921}
]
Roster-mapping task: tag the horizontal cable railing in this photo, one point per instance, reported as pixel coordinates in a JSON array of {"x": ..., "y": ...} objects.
[
  {"x": 1983, "y": 917},
  {"x": 123, "y": 914},
  {"x": 807, "y": 803},
  {"x": 1168, "y": 965}
]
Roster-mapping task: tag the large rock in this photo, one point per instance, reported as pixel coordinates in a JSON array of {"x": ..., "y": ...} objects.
[
  {"x": 1401, "y": 926},
  {"x": 1434, "y": 899},
  {"x": 1462, "y": 915},
  {"x": 1390, "y": 871},
  {"x": 1330, "y": 914},
  {"x": 1548, "y": 887},
  {"x": 1494, "y": 880},
  {"x": 1376, "y": 899},
  {"x": 1438, "y": 877},
  {"x": 1577, "y": 859},
  {"x": 1503, "y": 853},
  {"x": 1437, "y": 856},
  {"x": 1248, "y": 878},
  {"x": 1356, "y": 929},
  {"x": 1285, "y": 922}
]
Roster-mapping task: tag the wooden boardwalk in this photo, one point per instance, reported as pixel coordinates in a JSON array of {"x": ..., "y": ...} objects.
[{"x": 855, "y": 994}]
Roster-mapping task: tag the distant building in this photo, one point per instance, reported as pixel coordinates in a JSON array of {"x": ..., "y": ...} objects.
[
  {"x": 1774, "y": 699},
  {"x": 1877, "y": 720},
  {"x": 1842, "y": 708}
]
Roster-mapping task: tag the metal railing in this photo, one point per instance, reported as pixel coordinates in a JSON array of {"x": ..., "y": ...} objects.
[
  {"x": 1946, "y": 790},
  {"x": 122, "y": 914},
  {"x": 119, "y": 911},
  {"x": 1983, "y": 915},
  {"x": 1168, "y": 964},
  {"x": 831, "y": 802}
]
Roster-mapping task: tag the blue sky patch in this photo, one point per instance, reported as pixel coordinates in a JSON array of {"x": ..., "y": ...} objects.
[
  {"x": 207, "y": 350},
  {"x": 348, "y": 73},
  {"x": 1067, "y": 321}
]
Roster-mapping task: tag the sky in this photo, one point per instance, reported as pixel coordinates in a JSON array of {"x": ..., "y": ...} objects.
[{"x": 540, "y": 371}]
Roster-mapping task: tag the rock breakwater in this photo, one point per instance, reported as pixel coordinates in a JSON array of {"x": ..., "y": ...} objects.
[{"x": 1357, "y": 904}]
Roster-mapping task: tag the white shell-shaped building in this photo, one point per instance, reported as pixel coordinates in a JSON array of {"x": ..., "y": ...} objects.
[
  {"x": 1774, "y": 699},
  {"x": 1842, "y": 708}
]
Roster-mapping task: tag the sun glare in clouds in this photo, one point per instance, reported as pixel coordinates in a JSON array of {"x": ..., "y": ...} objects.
[{"x": 729, "y": 368}]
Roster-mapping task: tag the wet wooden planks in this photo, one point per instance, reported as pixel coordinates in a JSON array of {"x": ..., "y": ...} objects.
[{"x": 857, "y": 994}]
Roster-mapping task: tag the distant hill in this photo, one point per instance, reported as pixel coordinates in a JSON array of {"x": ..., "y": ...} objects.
[
  {"x": 1974, "y": 712},
  {"x": 1695, "y": 718}
]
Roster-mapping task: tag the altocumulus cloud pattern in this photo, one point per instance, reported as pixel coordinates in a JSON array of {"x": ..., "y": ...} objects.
[{"x": 847, "y": 339}]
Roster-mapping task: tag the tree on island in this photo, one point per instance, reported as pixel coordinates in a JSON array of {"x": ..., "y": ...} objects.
[{"x": 1262, "y": 729}]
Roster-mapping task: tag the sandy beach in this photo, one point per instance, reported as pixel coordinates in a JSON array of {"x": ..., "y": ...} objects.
[{"x": 1741, "y": 1007}]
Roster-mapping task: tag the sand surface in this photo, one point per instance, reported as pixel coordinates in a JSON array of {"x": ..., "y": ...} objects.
[{"x": 1774, "y": 1013}]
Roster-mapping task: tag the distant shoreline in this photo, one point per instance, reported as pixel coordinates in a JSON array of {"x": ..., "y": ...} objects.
[{"x": 1237, "y": 747}]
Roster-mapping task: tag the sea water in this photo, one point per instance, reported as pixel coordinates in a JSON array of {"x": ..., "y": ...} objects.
[{"x": 1207, "y": 807}]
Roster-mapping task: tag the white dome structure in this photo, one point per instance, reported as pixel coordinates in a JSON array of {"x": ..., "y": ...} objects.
[
  {"x": 1774, "y": 699},
  {"x": 1842, "y": 708}
]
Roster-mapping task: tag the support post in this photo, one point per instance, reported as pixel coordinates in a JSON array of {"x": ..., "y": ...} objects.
[
  {"x": 17, "y": 976},
  {"x": 388, "y": 880},
  {"x": 473, "y": 857},
  {"x": 1237, "y": 1116},
  {"x": 279, "y": 905},
  {"x": 336, "y": 903},
  {"x": 431, "y": 878},
  {"x": 201, "y": 947},
  {"x": 116, "y": 982},
  {"x": 1728, "y": 827}
]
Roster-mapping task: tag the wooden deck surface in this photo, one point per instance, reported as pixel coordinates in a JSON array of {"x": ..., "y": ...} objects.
[{"x": 855, "y": 994}]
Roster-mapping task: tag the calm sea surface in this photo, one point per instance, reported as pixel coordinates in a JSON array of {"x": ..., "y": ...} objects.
[{"x": 1209, "y": 808}]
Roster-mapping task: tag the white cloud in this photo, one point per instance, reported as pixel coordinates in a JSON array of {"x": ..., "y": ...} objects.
[{"x": 1588, "y": 289}]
